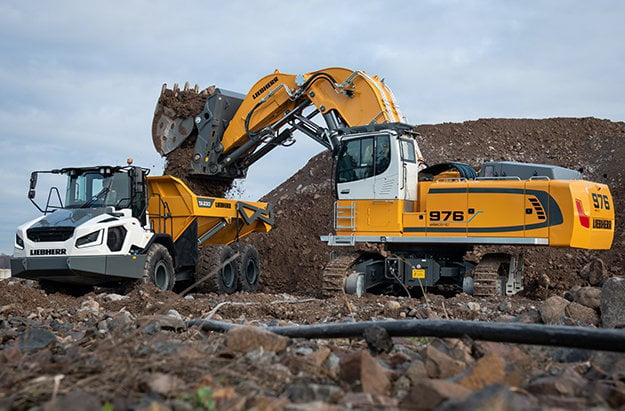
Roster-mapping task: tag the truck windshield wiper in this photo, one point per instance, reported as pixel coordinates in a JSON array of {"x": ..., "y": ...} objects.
[{"x": 100, "y": 196}]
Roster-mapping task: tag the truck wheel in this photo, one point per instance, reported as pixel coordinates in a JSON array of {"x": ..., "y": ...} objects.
[
  {"x": 159, "y": 267},
  {"x": 249, "y": 268},
  {"x": 216, "y": 271}
]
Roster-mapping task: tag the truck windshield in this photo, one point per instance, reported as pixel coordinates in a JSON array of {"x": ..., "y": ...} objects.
[
  {"x": 363, "y": 157},
  {"x": 93, "y": 189}
]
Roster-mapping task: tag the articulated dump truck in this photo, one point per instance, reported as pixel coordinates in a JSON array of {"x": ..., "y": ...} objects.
[{"x": 116, "y": 226}]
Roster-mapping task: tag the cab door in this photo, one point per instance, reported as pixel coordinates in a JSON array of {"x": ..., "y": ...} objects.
[
  {"x": 355, "y": 169},
  {"x": 409, "y": 173}
]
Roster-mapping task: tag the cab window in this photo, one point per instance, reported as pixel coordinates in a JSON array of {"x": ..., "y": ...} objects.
[
  {"x": 408, "y": 151},
  {"x": 362, "y": 158}
]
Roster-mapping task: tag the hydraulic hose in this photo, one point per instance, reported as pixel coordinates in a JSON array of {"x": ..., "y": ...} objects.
[
  {"x": 533, "y": 334},
  {"x": 304, "y": 87}
]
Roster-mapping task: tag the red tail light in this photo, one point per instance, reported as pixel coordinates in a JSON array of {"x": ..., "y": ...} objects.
[{"x": 583, "y": 218}]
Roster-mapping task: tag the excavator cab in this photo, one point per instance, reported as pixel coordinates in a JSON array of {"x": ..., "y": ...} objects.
[{"x": 378, "y": 162}]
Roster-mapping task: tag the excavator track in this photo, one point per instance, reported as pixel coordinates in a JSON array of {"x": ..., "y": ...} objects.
[
  {"x": 486, "y": 279},
  {"x": 334, "y": 274}
]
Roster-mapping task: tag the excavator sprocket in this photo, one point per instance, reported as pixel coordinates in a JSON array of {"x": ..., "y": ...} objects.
[
  {"x": 335, "y": 273},
  {"x": 487, "y": 281}
]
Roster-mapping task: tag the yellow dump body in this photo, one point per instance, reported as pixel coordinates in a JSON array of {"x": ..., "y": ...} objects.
[
  {"x": 562, "y": 213},
  {"x": 173, "y": 208}
]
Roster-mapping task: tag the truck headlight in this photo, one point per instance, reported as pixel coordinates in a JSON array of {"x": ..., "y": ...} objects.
[
  {"x": 19, "y": 243},
  {"x": 116, "y": 236},
  {"x": 88, "y": 239}
]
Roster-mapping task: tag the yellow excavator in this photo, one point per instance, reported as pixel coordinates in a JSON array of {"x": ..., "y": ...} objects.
[{"x": 421, "y": 219}]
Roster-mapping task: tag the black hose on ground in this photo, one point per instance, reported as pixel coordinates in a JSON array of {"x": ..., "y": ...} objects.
[{"x": 533, "y": 334}]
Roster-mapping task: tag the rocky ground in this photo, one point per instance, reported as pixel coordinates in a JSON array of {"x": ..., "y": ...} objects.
[
  {"x": 138, "y": 351},
  {"x": 109, "y": 351}
]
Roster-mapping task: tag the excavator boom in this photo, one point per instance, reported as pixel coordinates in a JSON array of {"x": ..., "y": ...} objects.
[{"x": 232, "y": 131}]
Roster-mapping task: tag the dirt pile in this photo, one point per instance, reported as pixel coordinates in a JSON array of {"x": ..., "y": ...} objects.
[{"x": 293, "y": 256}]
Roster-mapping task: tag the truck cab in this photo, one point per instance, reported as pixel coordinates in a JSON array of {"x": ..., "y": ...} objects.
[{"x": 90, "y": 236}]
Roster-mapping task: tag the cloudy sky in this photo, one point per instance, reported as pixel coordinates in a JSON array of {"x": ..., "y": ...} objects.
[{"x": 79, "y": 79}]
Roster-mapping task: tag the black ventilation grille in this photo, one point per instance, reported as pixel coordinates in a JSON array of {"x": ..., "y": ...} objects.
[{"x": 48, "y": 234}]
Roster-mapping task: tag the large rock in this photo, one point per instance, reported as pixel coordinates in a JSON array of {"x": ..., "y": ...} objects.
[
  {"x": 569, "y": 384},
  {"x": 594, "y": 272},
  {"x": 487, "y": 370},
  {"x": 361, "y": 366},
  {"x": 612, "y": 391},
  {"x": 248, "y": 338},
  {"x": 35, "y": 339},
  {"x": 582, "y": 314},
  {"x": 495, "y": 397},
  {"x": 613, "y": 303},
  {"x": 428, "y": 394},
  {"x": 589, "y": 297},
  {"x": 553, "y": 309},
  {"x": 441, "y": 365}
]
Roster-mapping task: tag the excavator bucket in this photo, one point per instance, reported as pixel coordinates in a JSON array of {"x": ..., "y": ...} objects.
[{"x": 174, "y": 115}]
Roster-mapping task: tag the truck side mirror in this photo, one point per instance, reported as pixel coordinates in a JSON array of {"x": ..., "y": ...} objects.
[
  {"x": 138, "y": 180},
  {"x": 33, "y": 184}
]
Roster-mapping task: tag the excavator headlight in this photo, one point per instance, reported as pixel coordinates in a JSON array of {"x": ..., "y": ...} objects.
[
  {"x": 19, "y": 242},
  {"x": 90, "y": 239}
]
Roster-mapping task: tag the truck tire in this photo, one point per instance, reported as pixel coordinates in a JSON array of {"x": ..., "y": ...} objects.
[
  {"x": 249, "y": 268},
  {"x": 159, "y": 267},
  {"x": 214, "y": 272}
]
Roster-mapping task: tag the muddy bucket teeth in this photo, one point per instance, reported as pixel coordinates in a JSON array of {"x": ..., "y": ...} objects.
[{"x": 175, "y": 113}]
